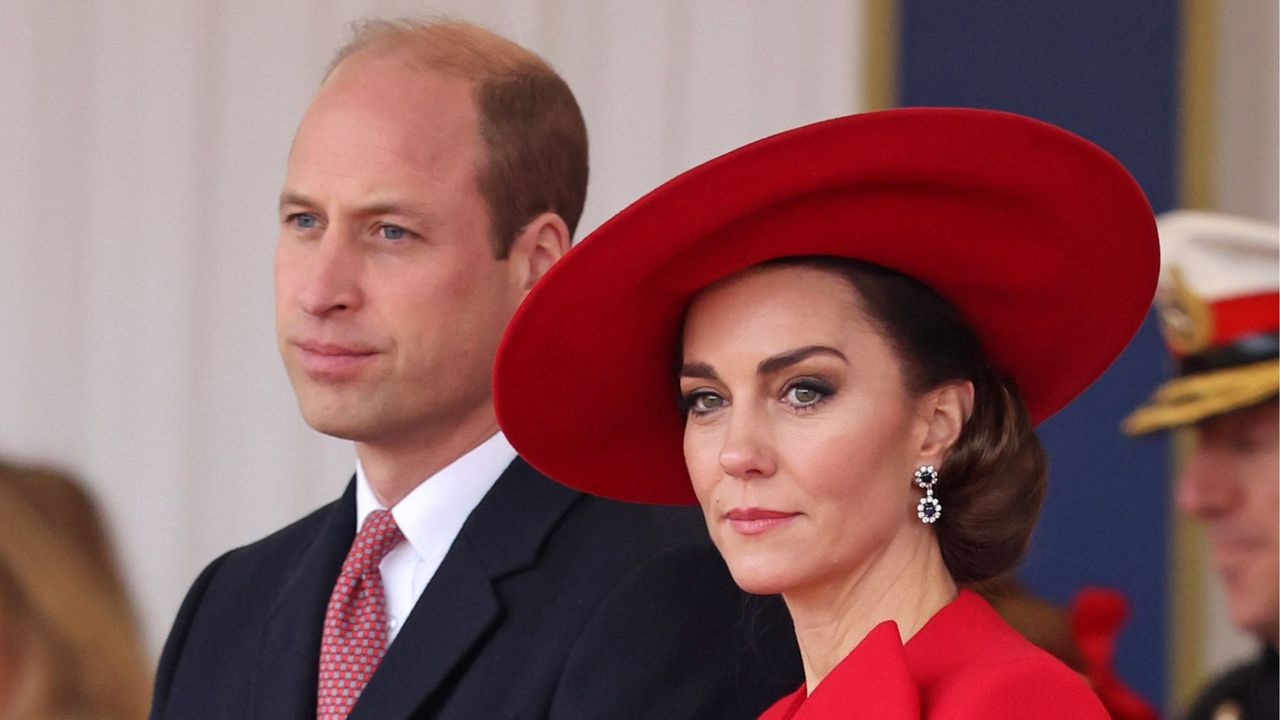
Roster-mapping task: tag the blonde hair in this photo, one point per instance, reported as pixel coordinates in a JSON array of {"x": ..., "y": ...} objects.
[
  {"x": 66, "y": 626},
  {"x": 532, "y": 128}
]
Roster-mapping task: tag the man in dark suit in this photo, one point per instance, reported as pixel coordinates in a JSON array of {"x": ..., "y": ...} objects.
[{"x": 438, "y": 173}]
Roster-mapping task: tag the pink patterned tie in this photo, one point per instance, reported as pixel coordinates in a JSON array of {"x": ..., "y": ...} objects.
[{"x": 355, "y": 625}]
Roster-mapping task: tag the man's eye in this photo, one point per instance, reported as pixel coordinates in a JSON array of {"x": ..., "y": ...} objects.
[
  {"x": 304, "y": 221},
  {"x": 393, "y": 232}
]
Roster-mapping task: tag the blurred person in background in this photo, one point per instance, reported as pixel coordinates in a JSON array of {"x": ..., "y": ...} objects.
[
  {"x": 1220, "y": 313},
  {"x": 69, "y": 645}
]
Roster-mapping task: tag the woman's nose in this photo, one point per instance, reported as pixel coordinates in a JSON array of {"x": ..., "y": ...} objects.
[{"x": 747, "y": 451}]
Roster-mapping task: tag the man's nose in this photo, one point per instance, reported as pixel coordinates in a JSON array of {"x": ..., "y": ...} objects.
[
  {"x": 332, "y": 281},
  {"x": 748, "y": 450},
  {"x": 1207, "y": 486}
]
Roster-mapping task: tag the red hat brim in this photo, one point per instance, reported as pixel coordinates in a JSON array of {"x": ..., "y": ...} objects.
[{"x": 1042, "y": 241}]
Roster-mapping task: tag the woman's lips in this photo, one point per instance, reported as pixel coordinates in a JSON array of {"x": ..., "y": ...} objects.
[
  {"x": 753, "y": 521},
  {"x": 332, "y": 361}
]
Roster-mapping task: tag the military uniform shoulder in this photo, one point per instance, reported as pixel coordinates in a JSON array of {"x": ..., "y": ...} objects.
[{"x": 1245, "y": 692}]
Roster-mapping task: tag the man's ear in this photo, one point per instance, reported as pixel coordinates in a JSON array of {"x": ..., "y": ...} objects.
[
  {"x": 945, "y": 409},
  {"x": 541, "y": 242}
]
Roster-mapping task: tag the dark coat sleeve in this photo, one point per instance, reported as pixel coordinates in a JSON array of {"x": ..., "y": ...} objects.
[{"x": 677, "y": 639}]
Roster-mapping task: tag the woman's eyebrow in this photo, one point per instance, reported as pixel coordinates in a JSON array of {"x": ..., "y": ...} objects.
[
  {"x": 791, "y": 357},
  {"x": 698, "y": 370}
]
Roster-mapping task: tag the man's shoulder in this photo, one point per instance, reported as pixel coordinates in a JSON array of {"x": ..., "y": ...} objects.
[
  {"x": 653, "y": 546},
  {"x": 528, "y": 518},
  {"x": 219, "y": 630},
  {"x": 1250, "y": 689},
  {"x": 660, "y": 525},
  {"x": 260, "y": 564},
  {"x": 287, "y": 540}
]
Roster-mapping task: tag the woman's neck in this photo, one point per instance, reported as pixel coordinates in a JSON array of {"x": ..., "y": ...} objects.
[{"x": 907, "y": 582}]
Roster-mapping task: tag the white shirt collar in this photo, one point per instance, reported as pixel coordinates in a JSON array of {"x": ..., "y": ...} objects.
[{"x": 432, "y": 514}]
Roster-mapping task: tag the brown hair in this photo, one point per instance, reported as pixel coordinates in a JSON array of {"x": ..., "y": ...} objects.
[
  {"x": 530, "y": 123},
  {"x": 67, "y": 631},
  {"x": 993, "y": 479}
]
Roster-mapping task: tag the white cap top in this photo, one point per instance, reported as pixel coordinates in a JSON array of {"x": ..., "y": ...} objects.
[{"x": 1219, "y": 256}]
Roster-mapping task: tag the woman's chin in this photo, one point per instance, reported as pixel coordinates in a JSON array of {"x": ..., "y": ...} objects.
[{"x": 760, "y": 578}]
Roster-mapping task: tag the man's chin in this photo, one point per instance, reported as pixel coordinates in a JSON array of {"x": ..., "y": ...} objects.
[
  {"x": 343, "y": 425},
  {"x": 1258, "y": 626},
  {"x": 1253, "y": 614}
]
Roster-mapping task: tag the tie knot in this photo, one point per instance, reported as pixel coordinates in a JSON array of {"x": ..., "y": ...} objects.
[{"x": 376, "y": 538}]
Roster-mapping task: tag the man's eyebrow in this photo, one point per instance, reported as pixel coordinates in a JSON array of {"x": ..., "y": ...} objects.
[
  {"x": 698, "y": 370},
  {"x": 791, "y": 357},
  {"x": 289, "y": 197},
  {"x": 389, "y": 207}
]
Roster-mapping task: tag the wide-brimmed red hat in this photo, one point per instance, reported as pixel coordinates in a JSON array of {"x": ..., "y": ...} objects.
[{"x": 1040, "y": 239}]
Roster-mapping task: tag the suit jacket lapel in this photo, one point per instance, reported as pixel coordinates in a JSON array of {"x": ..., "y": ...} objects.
[
  {"x": 503, "y": 535},
  {"x": 285, "y": 680}
]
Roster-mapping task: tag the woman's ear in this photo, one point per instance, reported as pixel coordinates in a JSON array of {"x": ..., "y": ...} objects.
[{"x": 945, "y": 410}]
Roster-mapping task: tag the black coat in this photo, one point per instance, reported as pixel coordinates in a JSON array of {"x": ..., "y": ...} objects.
[{"x": 549, "y": 604}]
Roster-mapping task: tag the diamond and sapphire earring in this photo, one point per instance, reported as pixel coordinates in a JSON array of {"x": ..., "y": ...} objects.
[{"x": 928, "y": 509}]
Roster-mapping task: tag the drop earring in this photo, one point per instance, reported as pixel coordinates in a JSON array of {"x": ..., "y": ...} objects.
[{"x": 928, "y": 509}]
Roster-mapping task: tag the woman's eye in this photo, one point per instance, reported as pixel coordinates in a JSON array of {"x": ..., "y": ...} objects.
[
  {"x": 393, "y": 232},
  {"x": 804, "y": 395},
  {"x": 704, "y": 402}
]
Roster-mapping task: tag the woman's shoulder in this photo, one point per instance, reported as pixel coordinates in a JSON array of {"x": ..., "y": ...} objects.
[
  {"x": 1037, "y": 686},
  {"x": 970, "y": 663}
]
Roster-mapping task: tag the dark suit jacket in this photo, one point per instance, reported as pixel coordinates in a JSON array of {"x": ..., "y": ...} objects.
[{"x": 549, "y": 604}]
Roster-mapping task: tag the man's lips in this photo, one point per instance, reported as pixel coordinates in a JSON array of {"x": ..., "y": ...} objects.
[
  {"x": 332, "y": 359},
  {"x": 753, "y": 521},
  {"x": 1235, "y": 550},
  {"x": 1238, "y": 536}
]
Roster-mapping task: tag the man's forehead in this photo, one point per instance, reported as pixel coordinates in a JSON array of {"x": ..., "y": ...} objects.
[
  {"x": 407, "y": 115},
  {"x": 1261, "y": 417},
  {"x": 383, "y": 90},
  {"x": 394, "y": 74}
]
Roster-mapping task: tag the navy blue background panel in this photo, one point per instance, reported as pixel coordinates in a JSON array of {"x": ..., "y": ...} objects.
[{"x": 1105, "y": 70}]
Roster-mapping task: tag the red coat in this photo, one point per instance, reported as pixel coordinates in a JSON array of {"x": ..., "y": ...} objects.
[{"x": 964, "y": 663}]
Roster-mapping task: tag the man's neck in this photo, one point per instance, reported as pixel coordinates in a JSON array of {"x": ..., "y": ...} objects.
[{"x": 394, "y": 469}]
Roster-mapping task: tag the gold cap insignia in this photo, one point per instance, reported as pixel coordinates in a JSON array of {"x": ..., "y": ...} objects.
[{"x": 1185, "y": 318}]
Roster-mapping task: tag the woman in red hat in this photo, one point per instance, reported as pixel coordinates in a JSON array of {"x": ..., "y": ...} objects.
[{"x": 837, "y": 341}]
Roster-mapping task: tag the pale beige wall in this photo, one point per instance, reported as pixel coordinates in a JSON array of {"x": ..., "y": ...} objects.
[{"x": 1246, "y": 129}]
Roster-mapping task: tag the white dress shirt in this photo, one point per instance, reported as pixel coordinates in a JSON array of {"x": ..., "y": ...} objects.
[{"x": 430, "y": 517}]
